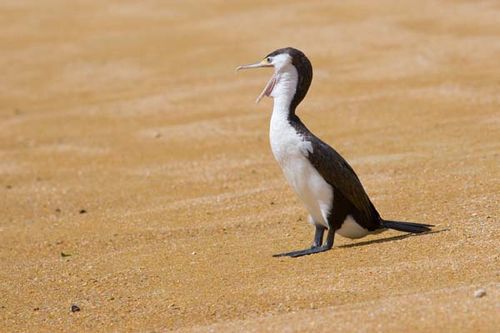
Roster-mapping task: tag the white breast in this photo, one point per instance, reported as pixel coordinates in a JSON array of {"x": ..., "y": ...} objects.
[{"x": 291, "y": 150}]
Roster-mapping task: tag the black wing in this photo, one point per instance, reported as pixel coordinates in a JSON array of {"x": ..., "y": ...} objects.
[{"x": 339, "y": 174}]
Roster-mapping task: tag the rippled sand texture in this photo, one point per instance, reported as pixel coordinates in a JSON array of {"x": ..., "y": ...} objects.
[{"x": 129, "y": 145}]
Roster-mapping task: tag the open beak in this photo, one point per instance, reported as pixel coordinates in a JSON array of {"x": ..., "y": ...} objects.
[{"x": 268, "y": 89}]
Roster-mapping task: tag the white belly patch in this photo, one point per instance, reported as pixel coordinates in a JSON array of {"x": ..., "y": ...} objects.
[{"x": 350, "y": 229}]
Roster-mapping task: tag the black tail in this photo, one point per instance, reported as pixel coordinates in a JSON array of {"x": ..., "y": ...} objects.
[{"x": 415, "y": 228}]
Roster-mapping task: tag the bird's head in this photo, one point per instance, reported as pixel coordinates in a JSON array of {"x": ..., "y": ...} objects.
[{"x": 292, "y": 75}]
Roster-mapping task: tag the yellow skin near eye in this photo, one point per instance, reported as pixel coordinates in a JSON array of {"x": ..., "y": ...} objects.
[{"x": 265, "y": 61}]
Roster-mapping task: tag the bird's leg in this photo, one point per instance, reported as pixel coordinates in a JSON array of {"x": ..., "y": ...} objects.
[
  {"x": 318, "y": 235},
  {"x": 316, "y": 247},
  {"x": 329, "y": 239}
]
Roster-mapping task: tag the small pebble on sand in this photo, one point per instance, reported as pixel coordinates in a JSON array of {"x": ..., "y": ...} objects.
[
  {"x": 75, "y": 308},
  {"x": 480, "y": 293}
]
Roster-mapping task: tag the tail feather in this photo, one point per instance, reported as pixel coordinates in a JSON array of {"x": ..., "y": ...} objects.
[{"x": 412, "y": 227}]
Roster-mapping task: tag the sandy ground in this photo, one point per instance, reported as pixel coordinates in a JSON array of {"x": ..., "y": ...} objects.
[{"x": 136, "y": 179}]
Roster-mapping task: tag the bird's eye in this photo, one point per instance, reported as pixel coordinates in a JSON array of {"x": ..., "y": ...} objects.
[{"x": 268, "y": 59}]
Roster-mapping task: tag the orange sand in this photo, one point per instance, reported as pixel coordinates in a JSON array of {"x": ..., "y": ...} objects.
[{"x": 132, "y": 112}]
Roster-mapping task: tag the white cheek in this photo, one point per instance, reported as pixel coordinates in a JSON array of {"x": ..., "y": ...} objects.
[{"x": 280, "y": 61}]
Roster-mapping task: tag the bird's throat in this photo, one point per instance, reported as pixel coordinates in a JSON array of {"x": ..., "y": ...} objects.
[{"x": 284, "y": 89}]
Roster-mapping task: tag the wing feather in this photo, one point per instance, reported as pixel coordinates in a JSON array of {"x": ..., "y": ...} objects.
[{"x": 339, "y": 174}]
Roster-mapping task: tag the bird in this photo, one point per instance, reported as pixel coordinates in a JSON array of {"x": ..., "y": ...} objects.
[{"x": 324, "y": 181}]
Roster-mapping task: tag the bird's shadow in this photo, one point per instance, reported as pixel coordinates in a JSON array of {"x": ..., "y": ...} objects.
[{"x": 390, "y": 239}]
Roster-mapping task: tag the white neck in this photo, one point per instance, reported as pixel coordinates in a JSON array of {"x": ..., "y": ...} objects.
[
  {"x": 286, "y": 143},
  {"x": 284, "y": 90}
]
